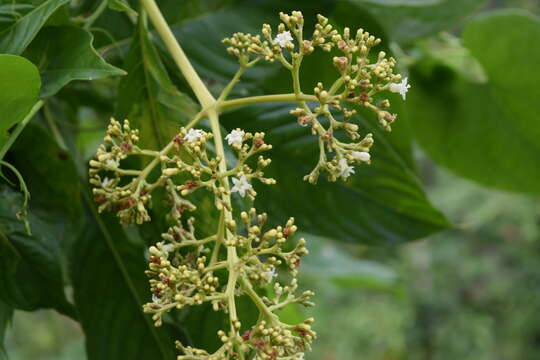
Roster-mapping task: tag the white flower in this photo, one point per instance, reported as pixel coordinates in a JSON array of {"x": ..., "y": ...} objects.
[
  {"x": 193, "y": 135},
  {"x": 241, "y": 185},
  {"x": 112, "y": 163},
  {"x": 361, "y": 156},
  {"x": 283, "y": 38},
  {"x": 400, "y": 88},
  {"x": 344, "y": 169},
  {"x": 235, "y": 137},
  {"x": 155, "y": 298},
  {"x": 167, "y": 248},
  {"x": 106, "y": 182},
  {"x": 269, "y": 275}
]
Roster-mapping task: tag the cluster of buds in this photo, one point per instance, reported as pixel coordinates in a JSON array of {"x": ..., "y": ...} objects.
[
  {"x": 128, "y": 200},
  {"x": 128, "y": 192},
  {"x": 359, "y": 84},
  {"x": 186, "y": 271}
]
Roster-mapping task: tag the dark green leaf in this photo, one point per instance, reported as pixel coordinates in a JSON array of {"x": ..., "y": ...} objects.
[
  {"x": 18, "y": 36},
  {"x": 148, "y": 98},
  {"x": 408, "y": 20},
  {"x": 31, "y": 266},
  {"x": 20, "y": 79},
  {"x": 121, "y": 5},
  {"x": 32, "y": 273},
  {"x": 485, "y": 131},
  {"x": 64, "y": 54},
  {"x": 110, "y": 288},
  {"x": 383, "y": 203}
]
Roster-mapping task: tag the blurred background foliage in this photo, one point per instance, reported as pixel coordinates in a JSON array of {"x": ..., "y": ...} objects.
[{"x": 469, "y": 292}]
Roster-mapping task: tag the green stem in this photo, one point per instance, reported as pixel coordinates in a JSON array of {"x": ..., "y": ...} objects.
[
  {"x": 191, "y": 76},
  {"x": 15, "y": 134},
  {"x": 265, "y": 311},
  {"x": 267, "y": 98},
  {"x": 95, "y": 15},
  {"x": 54, "y": 129},
  {"x": 231, "y": 84}
]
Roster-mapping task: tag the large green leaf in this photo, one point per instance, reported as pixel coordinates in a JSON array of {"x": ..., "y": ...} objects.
[
  {"x": 148, "y": 97},
  {"x": 18, "y": 36},
  {"x": 383, "y": 203},
  {"x": 110, "y": 288},
  {"x": 20, "y": 79},
  {"x": 64, "y": 54},
  {"x": 485, "y": 131},
  {"x": 408, "y": 20},
  {"x": 33, "y": 266}
]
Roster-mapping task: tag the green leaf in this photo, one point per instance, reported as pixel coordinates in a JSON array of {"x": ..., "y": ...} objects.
[
  {"x": 110, "y": 288},
  {"x": 30, "y": 270},
  {"x": 32, "y": 274},
  {"x": 383, "y": 203},
  {"x": 148, "y": 98},
  {"x": 18, "y": 36},
  {"x": 20, "y": 79},
  {"x": 121, "y": 5},
  {"x": 6, "y": 314},
  {"x": 327, "y": 261},
  {"x": 485, "y": 131},
  {"x": 405, "y": 21},
  {"x": 64, "y": 54}
]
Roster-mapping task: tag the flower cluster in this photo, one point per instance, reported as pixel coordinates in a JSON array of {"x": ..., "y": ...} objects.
[
  {"x": 358, "y": 85},
  {"x": 245, "y": 256},
  {"x": 128, "y": 192},
  {"x": 239, "y": 259},
  {"x": 182, "y": 274}
]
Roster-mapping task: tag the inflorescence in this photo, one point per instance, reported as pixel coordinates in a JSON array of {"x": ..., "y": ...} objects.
[{"x": 244, "y": 256}]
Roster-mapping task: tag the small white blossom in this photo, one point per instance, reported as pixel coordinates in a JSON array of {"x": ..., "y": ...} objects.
[
  {"x": 269, "y": 275},
  {"x": 106, "y": 182},
  {"x": 283, "y": 38},
  {"x": 112, "y": 163},
  {"x": 235, "y": 137},
  {"x": 155, "y": 298},
  {"x": 193, "y": 135},
  {"x": 344, "y": 169},
  {"x": 167, "y": 248},
  {"x": 241, "y": 185},
  {"x": 400, "y": 88},
  {"x": 361, "y": 156}
]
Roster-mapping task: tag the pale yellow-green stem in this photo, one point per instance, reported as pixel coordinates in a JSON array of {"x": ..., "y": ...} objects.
[
  {"x": 210, "y": 109},
  {"x": 191, "y": 76}
]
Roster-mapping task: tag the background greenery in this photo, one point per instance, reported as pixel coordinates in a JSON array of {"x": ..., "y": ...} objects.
[{"x": 467, "y": 288}]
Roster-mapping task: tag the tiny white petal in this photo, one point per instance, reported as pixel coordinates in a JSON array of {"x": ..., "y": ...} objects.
[
  {"x": 283, "y": 38},
  {"x": 193, "y": 135},
  {"x": 344, "y": 169},
  {"x": 112, "y": 164},
  {"x": 241, "y": 185},
  {"x": 400, "y": 88},
  {"x": 269, "y": 275},
  {"x": 167, "y": 248},
  {"x": 361, "y": 156},
  {"x": 235, "y": 137},
  {"x": 106, "y": 182},
  {"x": 155, "y": 298}
]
